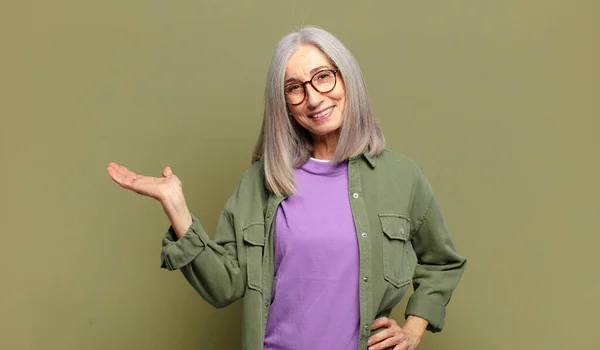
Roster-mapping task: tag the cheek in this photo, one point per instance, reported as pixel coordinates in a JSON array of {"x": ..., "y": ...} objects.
[
  {"x": 299, "y": 117},
  {"x": 340, "y": 93},
  {"x": 340, "y": 99},
  {"x": 297, "y": 113}
]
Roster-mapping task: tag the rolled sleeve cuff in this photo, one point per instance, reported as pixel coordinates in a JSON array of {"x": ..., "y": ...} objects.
[
  {"x": 433, "y": 312},
  {"x": 177, "y": 253}
]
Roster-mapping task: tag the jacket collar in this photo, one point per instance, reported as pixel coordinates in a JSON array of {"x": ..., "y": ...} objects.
[{"x": 372, "y": 161}]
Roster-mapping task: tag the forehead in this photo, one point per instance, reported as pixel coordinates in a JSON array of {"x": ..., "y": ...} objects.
[{"x": 303, "y": 60}]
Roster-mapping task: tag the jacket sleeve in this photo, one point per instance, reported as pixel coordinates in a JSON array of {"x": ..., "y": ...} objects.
[
  {"x": 211, "y": 266},
  {"x": 439, "y": 267}
]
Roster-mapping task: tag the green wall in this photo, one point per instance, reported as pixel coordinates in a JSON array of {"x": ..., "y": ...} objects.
[{"x": 498, "y": 101}]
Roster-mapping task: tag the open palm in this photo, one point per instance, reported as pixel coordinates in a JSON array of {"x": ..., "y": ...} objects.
[{"x": 158, "y": 188}]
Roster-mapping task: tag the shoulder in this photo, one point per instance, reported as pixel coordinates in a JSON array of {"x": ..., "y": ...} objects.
[
  {"x": 250, "y": 191},
  {"x": 255, "y": 172},
  {"x": 252, "y": 181},
  {"x": 406, "y": 173},
  {"x": 397, "y": 162},
  {"x": 399, "y": 168}
]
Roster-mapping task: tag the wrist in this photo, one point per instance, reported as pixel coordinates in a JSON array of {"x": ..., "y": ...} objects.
[
  {"x": 175, "y": 207},
  {"x": 173, "y": 201},
  {"x": 178, "y": 213},
  {"x": 173, "y": 197},
  {"x": 416, "y": 325}
]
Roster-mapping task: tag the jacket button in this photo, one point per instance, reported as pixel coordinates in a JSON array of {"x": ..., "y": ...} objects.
[
  {"x": 365, "y": 278},
  {"x": 364, "y": 234},
  {"x": 355, "y": 195}
]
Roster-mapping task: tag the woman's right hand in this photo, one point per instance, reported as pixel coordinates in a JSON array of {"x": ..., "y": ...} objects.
[
  {"x": 159, "y": 188},
  {"x": 168, "y": 190}
]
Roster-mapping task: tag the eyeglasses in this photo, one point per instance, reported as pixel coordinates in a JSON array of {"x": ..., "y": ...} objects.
[{"x": 323, "y": 81}]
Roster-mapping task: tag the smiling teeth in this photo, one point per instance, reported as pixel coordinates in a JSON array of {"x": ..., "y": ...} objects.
[{"x": 322, "y": 114}]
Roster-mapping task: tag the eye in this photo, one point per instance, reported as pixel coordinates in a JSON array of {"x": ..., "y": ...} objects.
[{"x": 290, "y": 89}]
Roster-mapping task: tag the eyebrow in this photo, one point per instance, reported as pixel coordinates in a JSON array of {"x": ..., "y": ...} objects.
[{"x": 312, "y": 72}]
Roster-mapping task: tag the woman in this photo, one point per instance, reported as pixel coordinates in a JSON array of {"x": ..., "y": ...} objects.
[{"x": 326, "y": 230}]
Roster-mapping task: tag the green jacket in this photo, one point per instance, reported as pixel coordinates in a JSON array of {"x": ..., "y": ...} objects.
[{"x": 401, "y": 234}]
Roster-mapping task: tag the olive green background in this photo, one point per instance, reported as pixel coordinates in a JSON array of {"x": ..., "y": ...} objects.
[{"x": 497, "y": 100}]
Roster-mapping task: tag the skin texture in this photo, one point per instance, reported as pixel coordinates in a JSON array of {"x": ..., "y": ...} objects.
[
  {"x": 168, "y": 189},
  {"x": 303, "y": 63},
  {"x": 393, "y": 336}
]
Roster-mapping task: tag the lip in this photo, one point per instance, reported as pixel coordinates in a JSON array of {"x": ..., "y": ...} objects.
[{"x": 321, "y": 111}]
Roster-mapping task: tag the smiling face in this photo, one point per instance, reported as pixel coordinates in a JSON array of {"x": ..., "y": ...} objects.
[{"x": 319, "y": 113}]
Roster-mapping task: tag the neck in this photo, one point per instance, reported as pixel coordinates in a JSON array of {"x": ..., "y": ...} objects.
[{"x": 324, "y": 146}]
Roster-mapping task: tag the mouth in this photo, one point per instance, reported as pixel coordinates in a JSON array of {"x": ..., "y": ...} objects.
[{"x": 322, "y": 114}]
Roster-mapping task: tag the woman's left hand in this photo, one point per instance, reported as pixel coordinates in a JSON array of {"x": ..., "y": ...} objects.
[{"x": 395, "y": 337}]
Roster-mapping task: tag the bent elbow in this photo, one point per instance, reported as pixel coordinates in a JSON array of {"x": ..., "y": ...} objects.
[{"x": 223, "y": 299}]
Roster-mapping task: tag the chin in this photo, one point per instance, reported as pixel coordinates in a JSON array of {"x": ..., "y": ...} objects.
[{"x": 326, "y": 130}]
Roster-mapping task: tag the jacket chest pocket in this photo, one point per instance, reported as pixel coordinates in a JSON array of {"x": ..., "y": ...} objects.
[
  {"x": 396, "y": 249},
  {"x": 254, "y": 242}
]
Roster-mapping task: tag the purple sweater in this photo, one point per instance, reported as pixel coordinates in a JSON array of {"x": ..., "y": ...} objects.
[{"x": 315, "y": 291}]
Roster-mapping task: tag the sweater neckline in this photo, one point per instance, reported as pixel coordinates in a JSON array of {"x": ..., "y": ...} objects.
[{"x": 324, "y": 167}]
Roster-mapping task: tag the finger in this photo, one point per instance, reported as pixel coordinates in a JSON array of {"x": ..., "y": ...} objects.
[
  {"x": 130, "y": 178},
  {"x": 125, "y": 171},
  {"x": 401, "y": 346},
  {"x": 167, "y": 171},
  {"x": 112, "y": 168},
  {"x": 115, "y": 174},
  {"x": 118, "y": 170},
  {"x": 386, "y": 344},
  {"x": 380, "y": 322},
  {"x": 376, "y": 338},
  {"x": 125, "y": 177},
  {"x": 120, "y": 176}
]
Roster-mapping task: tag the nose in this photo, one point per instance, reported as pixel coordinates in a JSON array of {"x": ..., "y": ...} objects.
[{"x": 313, "y": 97}]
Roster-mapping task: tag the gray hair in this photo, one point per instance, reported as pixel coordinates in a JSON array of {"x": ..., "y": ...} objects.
[{"x": 283, "y": 144}]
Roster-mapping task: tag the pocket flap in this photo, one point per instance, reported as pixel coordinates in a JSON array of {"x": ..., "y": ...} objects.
[
  {"x": 395, "y": 226},
  {"x": 255, "y": 234}
]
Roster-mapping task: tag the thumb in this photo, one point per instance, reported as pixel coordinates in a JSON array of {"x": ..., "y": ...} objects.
[{"x": 167, "y": 171}]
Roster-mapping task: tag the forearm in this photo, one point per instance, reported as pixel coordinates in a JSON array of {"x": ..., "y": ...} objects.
[
  {"x": 439, "y": 268},
  {"x": 178, "y": 213},
  {"x": 210, "y": 266}
]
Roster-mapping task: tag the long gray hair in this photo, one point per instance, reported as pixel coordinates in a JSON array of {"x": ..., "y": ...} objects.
[{"x": 283, "y": 144}]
